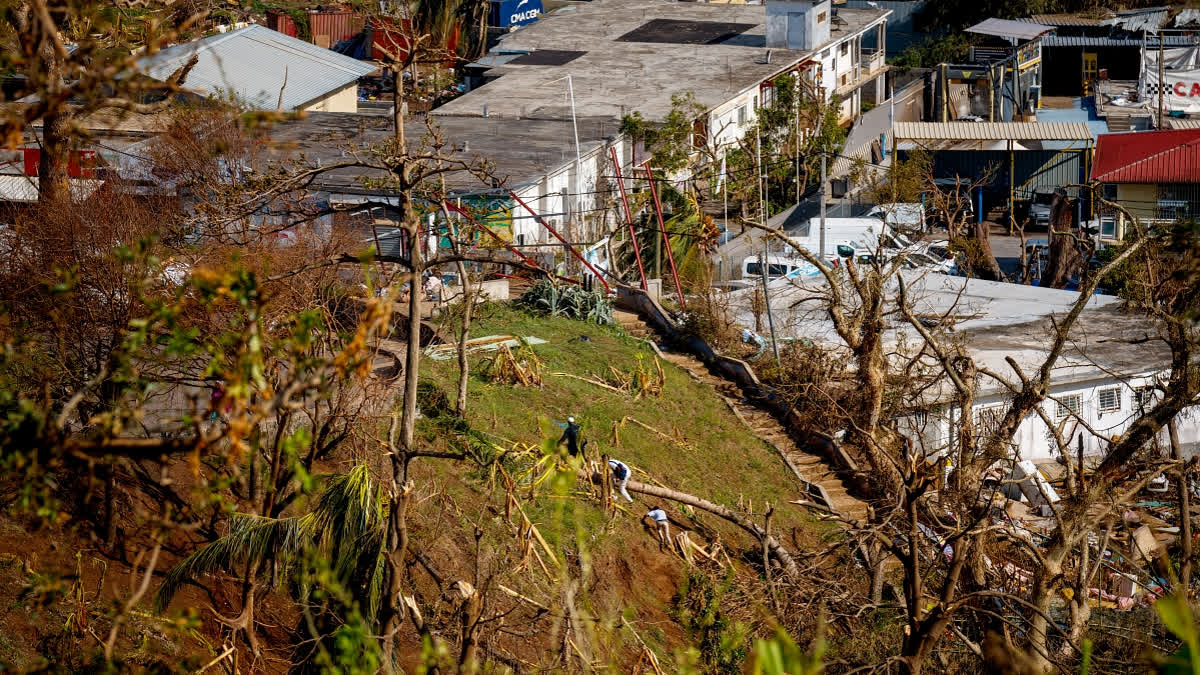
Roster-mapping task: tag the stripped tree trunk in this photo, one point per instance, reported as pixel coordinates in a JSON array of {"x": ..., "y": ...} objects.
[{"x": 790, "y": 568}]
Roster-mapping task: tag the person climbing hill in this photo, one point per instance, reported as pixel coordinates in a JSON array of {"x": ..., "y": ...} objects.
[
  {"x": 570, "y": 436},
  {"x": 620, "y": 477},
  {"x": 663, "y": 525}
]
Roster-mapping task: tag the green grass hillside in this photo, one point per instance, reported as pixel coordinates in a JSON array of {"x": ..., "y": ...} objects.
[
  {"x": 701, "y": 448},
  {"x": 719, "y": 458}
]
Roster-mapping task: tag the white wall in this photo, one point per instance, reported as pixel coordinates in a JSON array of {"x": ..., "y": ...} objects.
[
  {"x": 1034, "y": 440},
  {"x": 341, "y": 100},
  {"x": 581, "y": 201},
  {"x": 723, "y": 125}
]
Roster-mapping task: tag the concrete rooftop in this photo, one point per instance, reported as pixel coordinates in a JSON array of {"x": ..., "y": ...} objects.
[
  {"x": 613, "y": 77},
  {"x": 994, "y": 320},
  {"x": 520, "y": 151}
]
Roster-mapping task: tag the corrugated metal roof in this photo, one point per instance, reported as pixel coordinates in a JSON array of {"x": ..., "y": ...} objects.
[
  {"x": 1088, "y": 41},
  {"x": 992, "y": 131},
  {"x": 1149, "y": 19},
  {"x": 1019, "y": 30},
  {"x": 253, "y": 63},
  {"x": 1187, "y": 17},
  {"x": 1062, "y": 20},
  {"x": 1168, "y": 156},
  {"x": 25, "y": 188}
]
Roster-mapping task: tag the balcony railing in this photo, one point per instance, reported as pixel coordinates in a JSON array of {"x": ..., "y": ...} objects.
[{"x": 872, "y": 62}]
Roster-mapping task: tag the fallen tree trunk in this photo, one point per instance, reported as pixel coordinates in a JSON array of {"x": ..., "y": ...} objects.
[{"x": 781, "y": 554}]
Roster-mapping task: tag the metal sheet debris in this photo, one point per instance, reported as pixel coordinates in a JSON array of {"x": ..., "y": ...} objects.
[{"x": 484, "y": 344}]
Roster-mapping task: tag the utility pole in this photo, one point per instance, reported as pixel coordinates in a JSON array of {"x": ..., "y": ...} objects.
[
  {"x": 763, "y": 266},
  {"x": 824, "y": 196},
  {"x": 762, "y": 193},
  {"x": 725, "y": 185},
  {"x": 797, "y": 110}
]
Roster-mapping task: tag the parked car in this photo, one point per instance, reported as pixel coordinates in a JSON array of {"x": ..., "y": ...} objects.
[
  {"x": 1039, "y": 207},
  {"x": 777, "y": 266},
  {"x": 965, "y": 200},
  {"x": 904, "y": 215}
]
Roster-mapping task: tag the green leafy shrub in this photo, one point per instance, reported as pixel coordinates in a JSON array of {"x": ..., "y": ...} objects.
[
  {"x": 568, "y": 301},
  {"x": 722, "y": 643}
]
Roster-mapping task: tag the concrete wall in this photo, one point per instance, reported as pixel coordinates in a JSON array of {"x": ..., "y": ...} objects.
[
  {"x": 1034, "y": 440},
  {"x": 900, "y": 30},
  {"x": 799, "y": 24},
  {"x": 723, "y": 125},
  {"x": 492, "y": 289},
  {"x": 341, "y": 100},
  {"x": 580, "y": 216}
]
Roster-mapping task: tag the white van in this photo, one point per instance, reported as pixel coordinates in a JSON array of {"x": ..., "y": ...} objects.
[
  {"x": 905, "y": 215},
  {"x": 778, "y": 267}
]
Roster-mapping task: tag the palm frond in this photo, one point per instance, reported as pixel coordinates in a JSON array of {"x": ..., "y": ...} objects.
[{"x": 251, "y": 538}]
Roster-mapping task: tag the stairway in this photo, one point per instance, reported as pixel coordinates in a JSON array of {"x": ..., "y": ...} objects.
[
  {"x": 1119, "y": 123},
  {"x": 809, "y": 467}
]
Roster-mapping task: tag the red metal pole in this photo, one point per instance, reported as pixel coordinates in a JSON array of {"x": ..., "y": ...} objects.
[
  {"x": 663, "y": 227},
  {"x": 637, "y": 250},
  {"x": 454, "y": 207},
  {"x": 566, "y": 243}
]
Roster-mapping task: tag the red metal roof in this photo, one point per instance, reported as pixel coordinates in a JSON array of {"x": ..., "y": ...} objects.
[{"x": 1168, "y": 156}]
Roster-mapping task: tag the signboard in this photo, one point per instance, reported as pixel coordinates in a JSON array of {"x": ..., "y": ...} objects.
[
  {"x": 494, "y": 213},
  {"x": 1181, "y": 89},
  {"x": 506, "y": 13}
]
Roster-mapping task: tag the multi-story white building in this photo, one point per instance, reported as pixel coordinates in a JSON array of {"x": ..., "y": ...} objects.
[{"x": 600, "y": 61}]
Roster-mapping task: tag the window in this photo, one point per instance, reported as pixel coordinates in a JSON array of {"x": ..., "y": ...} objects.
[
  {"x": 845, "y": 78},
  {"x": 754, "y": 269},
  {"x": 824, "y": 54},
  {"x": 742, "y": 115},
  {"x": 1067, "y": 405},
  {"x": 1143, "y": 397},
  {"x": 1108, "y": 227},
  {"x": 987, "y": 420},
  {"x": 844, "y": 48},
  {"x": 821, "y": 16},
  {"x": 1110, "y": 399}
]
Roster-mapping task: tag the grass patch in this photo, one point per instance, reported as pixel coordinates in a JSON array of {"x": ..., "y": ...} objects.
[{"x": 722, "y": 461}]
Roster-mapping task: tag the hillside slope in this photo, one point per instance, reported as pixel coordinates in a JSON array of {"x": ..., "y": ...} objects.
[
  {"x": 598, "y": 590},
  {"x": 687, "y": 439}
]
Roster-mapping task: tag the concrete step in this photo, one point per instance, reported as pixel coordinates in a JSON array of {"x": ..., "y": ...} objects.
[
  {"x": 764, "y": 425},
  {"x": 803, "y": 459}
]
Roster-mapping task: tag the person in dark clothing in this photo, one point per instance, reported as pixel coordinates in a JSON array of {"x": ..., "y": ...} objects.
[{"x": 571, "y": 437}]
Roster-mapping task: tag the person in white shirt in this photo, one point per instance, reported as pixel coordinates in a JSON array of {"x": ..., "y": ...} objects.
[
  {"x": 620, "y": 477},
  {"x": 433, "y": 289},
  {"x": 663, "y": 524}
]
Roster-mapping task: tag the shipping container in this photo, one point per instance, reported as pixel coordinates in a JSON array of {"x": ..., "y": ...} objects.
[
  {"x": 281, "y": 22},
  {"x": 329, "y": 28},
  {"x": 388, "y": 40},
  {"x": 507, "y": 13},
  {"x": 324, "y": 29}
]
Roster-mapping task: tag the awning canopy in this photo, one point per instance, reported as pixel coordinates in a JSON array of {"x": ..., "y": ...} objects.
[
  {"x": 1016, "y": 30},
  {"x": 992, "y": 131}
]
